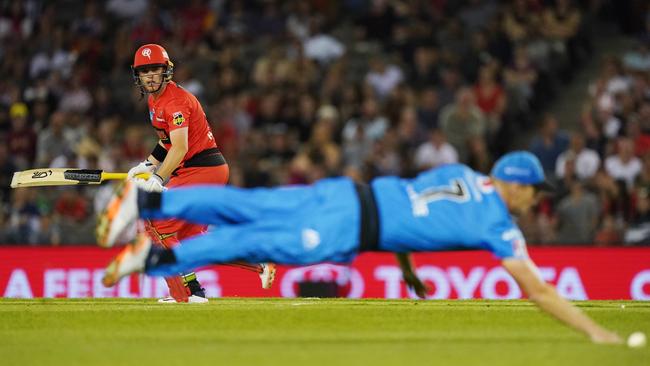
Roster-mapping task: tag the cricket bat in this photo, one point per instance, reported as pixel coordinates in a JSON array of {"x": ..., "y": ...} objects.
[{"x": 63, "y": 177}]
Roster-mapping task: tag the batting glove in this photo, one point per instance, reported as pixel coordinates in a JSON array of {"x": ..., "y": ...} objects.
[
  {"x": 145, "y": 167},
  {"x": 153, "y": 184}
]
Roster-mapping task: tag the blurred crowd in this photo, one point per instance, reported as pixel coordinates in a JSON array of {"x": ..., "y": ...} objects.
[
  {"x": 300, "y": 90},
  {"x": 602, "y": 170}
]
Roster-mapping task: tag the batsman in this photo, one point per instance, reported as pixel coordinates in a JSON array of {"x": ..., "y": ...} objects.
[{"x": 186, "y": 154}]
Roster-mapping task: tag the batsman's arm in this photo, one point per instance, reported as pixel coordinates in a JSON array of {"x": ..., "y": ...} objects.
[
  {"x": 546, "y": 297},
  {"x": 152, "y": 158},
  {"x": 406, "y": 265},
  {"x": 175, "y": 154}
]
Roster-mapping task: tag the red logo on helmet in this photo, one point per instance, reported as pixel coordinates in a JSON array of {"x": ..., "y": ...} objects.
[{"x": 151, "y": 54}]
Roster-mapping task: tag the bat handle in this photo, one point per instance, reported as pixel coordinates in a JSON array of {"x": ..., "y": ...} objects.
[{"x": 121, "y": 176}]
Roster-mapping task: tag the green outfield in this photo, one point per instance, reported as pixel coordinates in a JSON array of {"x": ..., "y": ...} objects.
[{"x": 237, "y": 331}]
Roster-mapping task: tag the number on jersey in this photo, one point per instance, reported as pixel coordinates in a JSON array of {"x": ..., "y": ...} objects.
[{"x": 456, "y": 191}]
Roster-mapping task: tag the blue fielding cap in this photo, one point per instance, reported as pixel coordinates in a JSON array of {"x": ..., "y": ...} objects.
[{"x": 521, "y": 167}]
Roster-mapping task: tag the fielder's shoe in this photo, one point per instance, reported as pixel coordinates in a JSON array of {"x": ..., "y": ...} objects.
[
  {"x": 121, "y": 212},
  {"x": 267, "y": 276},
  {"x": 131, "y": 259},
  {"x": 193, "y": 299}
]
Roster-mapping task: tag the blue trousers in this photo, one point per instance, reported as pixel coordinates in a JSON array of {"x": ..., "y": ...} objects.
[{"x": 287, "y": 225}]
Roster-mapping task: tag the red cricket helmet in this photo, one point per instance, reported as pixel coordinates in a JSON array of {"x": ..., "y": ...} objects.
[{"x": 152, "y": 55}]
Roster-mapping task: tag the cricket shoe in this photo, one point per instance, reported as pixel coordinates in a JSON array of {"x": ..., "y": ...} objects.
[
  {"x": 119, "y": 215},
  {"x": 267, "y": 276},
  {"x": 131, "y": 259},
  {"x": 193, "y": 299},
  {"x": 197, "y": 296}
]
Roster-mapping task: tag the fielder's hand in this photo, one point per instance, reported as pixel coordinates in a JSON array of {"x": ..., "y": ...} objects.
[
  {"x": 603, "y": 336},
  {"x": 414, "y": 283},
  {"x": 153, "y": 184},
  {"x": 145, "y": 167}
]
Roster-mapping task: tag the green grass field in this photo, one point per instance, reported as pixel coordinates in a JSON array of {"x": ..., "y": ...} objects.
[{"x": 237, "y": 331}]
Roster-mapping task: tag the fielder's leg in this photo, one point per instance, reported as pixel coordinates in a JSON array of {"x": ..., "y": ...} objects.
[{"x": 270, "y": 241}]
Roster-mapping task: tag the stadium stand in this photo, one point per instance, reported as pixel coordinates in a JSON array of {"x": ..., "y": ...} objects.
[{"x": 300, "y": 90}]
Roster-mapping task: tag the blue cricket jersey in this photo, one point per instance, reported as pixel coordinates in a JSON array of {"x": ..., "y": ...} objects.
[{"x": 448, "y": 208}]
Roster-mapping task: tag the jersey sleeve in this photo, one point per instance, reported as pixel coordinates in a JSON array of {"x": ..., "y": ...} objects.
[
  {"x": 507, "y": 241},
  {"x": 177, "y": 114}
]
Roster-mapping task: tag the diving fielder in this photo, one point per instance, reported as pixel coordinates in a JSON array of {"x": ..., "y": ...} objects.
[{"x": 449, "y": 208}]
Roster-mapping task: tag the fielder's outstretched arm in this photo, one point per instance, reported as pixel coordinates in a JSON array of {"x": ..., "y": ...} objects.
[
  {"x": 546, "y": 297},
  {"x": 412, "y": 281}
]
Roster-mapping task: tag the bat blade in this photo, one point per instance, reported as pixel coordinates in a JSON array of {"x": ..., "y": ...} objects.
[{"x": 55, "y": 177}]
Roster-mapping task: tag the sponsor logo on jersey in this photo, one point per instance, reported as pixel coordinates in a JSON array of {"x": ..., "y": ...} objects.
[
  {"x": 485, "y": 185},
  {"x": 310, "y": 239},
  {"x": 178, "y": 119}
]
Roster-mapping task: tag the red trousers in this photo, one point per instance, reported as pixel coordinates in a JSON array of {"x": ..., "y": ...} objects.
[{"x": 170, "y": 231}]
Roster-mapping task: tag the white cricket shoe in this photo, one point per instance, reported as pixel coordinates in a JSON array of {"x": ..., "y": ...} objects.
[
  {"x": 267, "y": 276},
  {"x": 193, "y": 299},
  {"x": 131, "y": 259},
  {"x": 119, "y": 215}
]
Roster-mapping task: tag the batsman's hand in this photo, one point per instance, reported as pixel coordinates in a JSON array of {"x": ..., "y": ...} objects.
[
  {"x": 153, "y": 184},
  {"x": 415, "y": 284},
  {"x": 145, "y": 167}
]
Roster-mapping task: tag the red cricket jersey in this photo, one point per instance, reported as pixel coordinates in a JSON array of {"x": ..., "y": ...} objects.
[{"x": 178, "y": 108}]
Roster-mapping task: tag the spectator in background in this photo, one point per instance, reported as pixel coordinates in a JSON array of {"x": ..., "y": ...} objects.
[
  {"x": 383, "y": 77},
  {"x": 71, "y": 206},
  {"x": 490, "y": 98},
  {"x": 478, "y": 13},
  {"x": 428, "y": 109},
  {"x": 76, "y": 98},
  {"x": 424, "y": 72},
  {"x": 609, "y": 233},
  {"x": 519, "y": 21},
  {"x": 321, "y": 156},
  {"x": 436, "y": 151},
  {"x": 480, "y": 158},
  {"x": 586, "y": 160},
  {"x": 21, "y": 137},
  {"x": 320, "y": 46},
  {"x": 462, "y": 121},
  {"x": 520, "y": 77},
  {"x": 7, "y": 169},
  {"x": 577, "y": 216},
  {"x": 23, "y": 217},
  {"x": 639, "y": 229},
  {"x": 477, "y": 56},
  {"x": 638, "y": 233},
  {"x": 638, "y": 59},
  {"x": 359, "y": 134},
  {"x": 549, "y": 143},
  {"x": 451, "y": 82},
  {"x": 49, "y": 144},
  {"x": 298, "y": 20},
  {"x": 127, "y": 9},
  {"x": 623, "y": 165}
]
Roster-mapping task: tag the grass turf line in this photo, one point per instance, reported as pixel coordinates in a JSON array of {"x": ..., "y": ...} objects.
[{"x": 238, "y": 331}]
